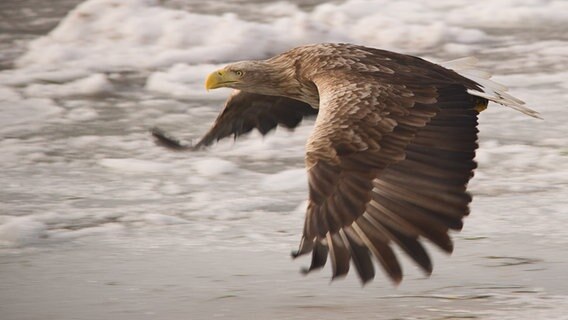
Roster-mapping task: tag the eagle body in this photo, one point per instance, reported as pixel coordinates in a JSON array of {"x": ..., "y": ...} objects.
[{"x": 391, "y": 152}]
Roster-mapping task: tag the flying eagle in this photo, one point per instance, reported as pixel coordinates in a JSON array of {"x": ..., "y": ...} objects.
[{"x": 391, "y": 153}]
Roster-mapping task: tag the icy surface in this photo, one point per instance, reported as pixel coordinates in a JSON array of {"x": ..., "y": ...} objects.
[
  {"x": 142, "y": 35},
  {"x": 96, "y": 84},
  {"x": 77, "y": 163}
]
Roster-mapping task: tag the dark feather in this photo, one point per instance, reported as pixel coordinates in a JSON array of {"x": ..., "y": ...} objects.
[
  {"x": 339, "y": 254},
  {"x": 412, "y": 247},
  {"x": 371, "y": 233},
  {"x": 361, "y": 257},
  {"x": 319, "y": 257}
]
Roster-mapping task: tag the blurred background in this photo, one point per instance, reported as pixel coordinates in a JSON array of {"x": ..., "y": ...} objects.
[{"x": 96, "y": 221}]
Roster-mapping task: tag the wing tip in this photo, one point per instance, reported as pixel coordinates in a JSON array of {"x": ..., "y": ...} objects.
[
  {"x": 306, "y": 246},
  {"x": 364, "y": 282},
  {"x": 166, "y": 140},
  {"x": 396, "y": 280}
]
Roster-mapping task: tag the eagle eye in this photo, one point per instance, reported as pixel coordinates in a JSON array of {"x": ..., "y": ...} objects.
[{"x": 239, "y": 73}]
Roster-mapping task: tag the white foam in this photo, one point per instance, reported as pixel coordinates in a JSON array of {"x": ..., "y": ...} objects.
[
  {"x": 17, "y": 78},
  {"x": 107, "y": 228},
  {"x": 510, "y": 14},
  {"x": 213, "y": 167},
  {"x": 184, "y": 81},
  {"x": 139, "y": 34},
  {"x": 20, "y": 113},
  {"x": 20, "y": 231},
  {"x": 82, "y": 114},
  {"x": 179, "y": 48},
  {"x": 293, "y": 179},
  {"x": 280, "y": 9},
  {"x": 171, "y": 188},
  {"x": 85, "y": 141},
  {"x": 134, "y": 165},
  {"x": 9, "y": 95},
  {"x": 93, "y": 85},
  {"x": 162, "y": 219}
]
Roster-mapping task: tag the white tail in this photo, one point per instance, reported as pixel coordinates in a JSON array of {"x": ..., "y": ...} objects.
[{"x": 492, "y": 90}]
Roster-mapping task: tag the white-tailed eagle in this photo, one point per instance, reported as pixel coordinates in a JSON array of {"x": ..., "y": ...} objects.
[{"x": 391, "y": 153}]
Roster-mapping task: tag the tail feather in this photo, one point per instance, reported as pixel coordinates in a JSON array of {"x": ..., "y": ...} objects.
[
  {"x": 464, "y": 63},
  {"x": 491, "y": 90}
]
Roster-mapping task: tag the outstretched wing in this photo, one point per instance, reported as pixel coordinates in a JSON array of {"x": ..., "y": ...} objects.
[
  {"x": 244, "y": 112},
  {"x": 388, "y": 163}
]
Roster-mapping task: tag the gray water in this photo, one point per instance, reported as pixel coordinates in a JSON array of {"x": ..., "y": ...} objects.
[{"x": 96, "y": 221}]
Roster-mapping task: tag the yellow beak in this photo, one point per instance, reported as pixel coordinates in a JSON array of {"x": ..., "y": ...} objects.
[
  {"x": 214, "y": 79},
  {"x": 219, "y": 79}
]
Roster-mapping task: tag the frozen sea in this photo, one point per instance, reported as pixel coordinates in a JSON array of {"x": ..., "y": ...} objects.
[{"x": 97, "y": 222}]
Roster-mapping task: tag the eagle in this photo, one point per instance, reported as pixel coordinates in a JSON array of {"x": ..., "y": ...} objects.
[{"x": 391, "y": 152}]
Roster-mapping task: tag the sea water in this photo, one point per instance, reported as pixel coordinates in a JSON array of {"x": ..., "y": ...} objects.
[{"x": 82, "y": 82}]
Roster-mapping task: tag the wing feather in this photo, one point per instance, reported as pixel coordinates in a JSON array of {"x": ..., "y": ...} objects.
[
  {"x": 243, "y": 112},
  {"x": 372, "y": 234},
  {"x": 319, "y": 257},
  {"x": 360, "y": 255},
  {"x": 339, "y": 254},
  {"x": 388, "y": 164},
  {"x": 412, "y": 247}
]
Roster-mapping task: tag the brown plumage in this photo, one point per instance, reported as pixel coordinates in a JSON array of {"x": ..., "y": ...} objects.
[{"x": 391, "y": 153}]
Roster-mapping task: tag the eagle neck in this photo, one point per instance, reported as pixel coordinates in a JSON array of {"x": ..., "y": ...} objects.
[{"x": 290, "y": 83}]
